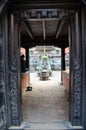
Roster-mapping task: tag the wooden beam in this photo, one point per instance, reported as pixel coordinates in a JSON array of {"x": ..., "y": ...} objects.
[
  {"x": 47, "y": 19},
  {"x": 59, "y": 28},
  {"x": 36, "y": 43},
  {"x": 38, "y": 5},
  {"x": 71, "y": 14},
  {"x": 28, "y": 29},
  {"x": 3, "y": 5},
  {"x": 84, "y": 1}
]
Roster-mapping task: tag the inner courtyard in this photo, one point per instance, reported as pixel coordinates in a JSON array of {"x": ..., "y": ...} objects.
[{"x": 46, "y": 102}]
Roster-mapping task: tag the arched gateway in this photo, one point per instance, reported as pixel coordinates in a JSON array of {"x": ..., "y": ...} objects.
[{"x": 17, "y": 20}]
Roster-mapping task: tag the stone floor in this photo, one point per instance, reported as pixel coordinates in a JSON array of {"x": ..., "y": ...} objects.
[{"x": 46, "y": 102}]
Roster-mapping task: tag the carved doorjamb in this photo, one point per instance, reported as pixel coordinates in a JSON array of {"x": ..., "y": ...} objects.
[{"x": 75, "y": 71}]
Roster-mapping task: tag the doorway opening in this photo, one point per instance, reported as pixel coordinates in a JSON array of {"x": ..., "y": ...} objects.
[{"x": 47, "y": 101}]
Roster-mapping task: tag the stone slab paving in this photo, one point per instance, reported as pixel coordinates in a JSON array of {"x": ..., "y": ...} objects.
[{"x": 46, "y": 102}]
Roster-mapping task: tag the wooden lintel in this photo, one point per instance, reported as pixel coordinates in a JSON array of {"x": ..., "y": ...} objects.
[{"x": 38, "y": 5}]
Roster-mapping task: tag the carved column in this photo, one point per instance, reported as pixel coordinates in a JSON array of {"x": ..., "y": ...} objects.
[
  {"x": 5, "y": 114},
  {"x": 83, "y": 18},
  {"x": 75, "y": 71},
  {"x": 14, "y": 71},
  {"x": 2, "y": 76}
]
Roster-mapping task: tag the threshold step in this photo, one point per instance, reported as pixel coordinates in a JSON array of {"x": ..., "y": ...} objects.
[
  {"x": 46, "y": 126},
  {"x": 50, "y": 126}
]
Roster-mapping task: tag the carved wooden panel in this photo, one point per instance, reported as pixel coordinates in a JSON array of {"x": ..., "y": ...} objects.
[
  {"x": 76, "y": 73},
  {"x": 84, "y": 66},
  {"x": 14, "y": 72},
  {"x": 14, "y": 92},
  {"x": 2, "y": 80},
  {"x": 77, "y": 92}
]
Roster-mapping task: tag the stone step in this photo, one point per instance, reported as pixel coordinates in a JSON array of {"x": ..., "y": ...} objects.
[
  {"x": 46, "y": 126},
  {"x": 49, "y": 126}
]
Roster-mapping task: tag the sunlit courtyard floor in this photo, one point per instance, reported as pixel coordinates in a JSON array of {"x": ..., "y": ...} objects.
[{"x": 46, "y": 102}]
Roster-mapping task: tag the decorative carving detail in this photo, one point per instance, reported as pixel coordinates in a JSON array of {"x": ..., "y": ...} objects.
[
  {"x": 2, "y": 77},
  {"x": 77, "y": 91},
  {"x": 14, "y": 92}
]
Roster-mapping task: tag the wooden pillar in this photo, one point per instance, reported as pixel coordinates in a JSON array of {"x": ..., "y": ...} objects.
[
  {"x": 62, "y": 62},
  {"x": 4, "y": 97},
  {"x": 75, "y": 71},
  {"x": 27, "y": 63},
  {"x": 83, "y": 25},
  {"x": 27, "y": 58},
  {"x": 14, "y": 71},
  {"x": 63, "y": 58}
]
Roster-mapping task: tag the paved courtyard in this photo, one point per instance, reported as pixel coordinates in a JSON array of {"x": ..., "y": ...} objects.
[{"x": 46, "y": 102}]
